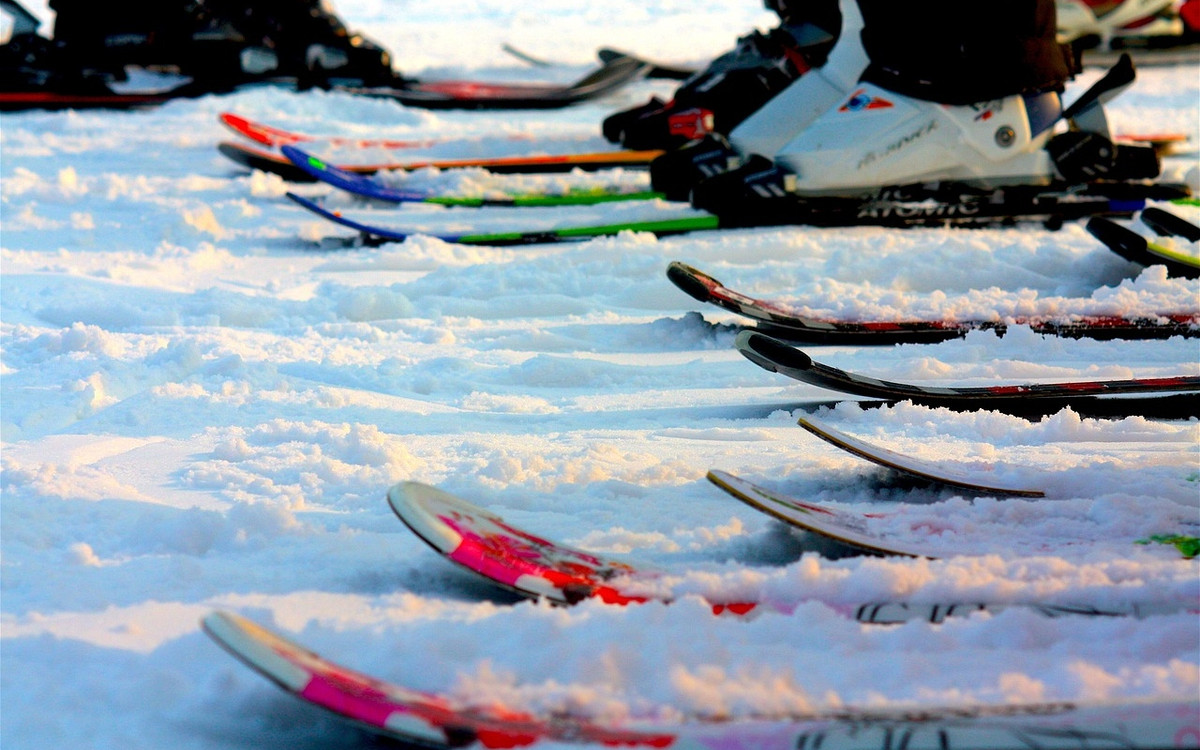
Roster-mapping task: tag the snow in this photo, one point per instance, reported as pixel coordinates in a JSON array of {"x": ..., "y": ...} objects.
[{"x": 204, "y": 406}]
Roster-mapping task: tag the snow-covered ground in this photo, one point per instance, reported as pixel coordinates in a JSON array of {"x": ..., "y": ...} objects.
[{"x": 203, "y": 408}]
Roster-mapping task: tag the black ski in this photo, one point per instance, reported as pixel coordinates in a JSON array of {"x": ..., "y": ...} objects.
[
  {"x": 779, "y": 319},
  {"x": 777, "y": 356},
  {"x": 1137, "y": 249},
  {"x": 1169, "y": 225},
  {"x": 614, "y": 73}
]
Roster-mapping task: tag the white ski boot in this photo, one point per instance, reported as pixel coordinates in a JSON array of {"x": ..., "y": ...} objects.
[
  {"x": 875, "y": 144},
  {"x": 772, "y": 125}
]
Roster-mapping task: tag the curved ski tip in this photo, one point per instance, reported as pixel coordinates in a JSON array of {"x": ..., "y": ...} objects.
[
  {"x": 416, "y": 505},
  {"x": 718, "y": 477},
  {"x": 298, "y": 199},
  {"x": 1114, "y": 235},
  {"x": 771, "y": 353},
  {"x": 690, "y": 280},
  {"x": 1167, "y": 224},
  {"x": 301, "y": 158},
  {"x": 232, "y": 151}
]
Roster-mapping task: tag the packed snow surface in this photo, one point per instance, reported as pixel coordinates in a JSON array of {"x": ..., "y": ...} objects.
[{"x": 206, "y": 395}]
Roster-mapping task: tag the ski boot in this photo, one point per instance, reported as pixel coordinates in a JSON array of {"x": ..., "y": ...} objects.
[
  {"x": 772, "y": 125},
  {"x": 305, "y": 41},
  {"x": 735, "y": 85},
  {"x": 31, "y": 62},
  {"x": 879, "y": 145}
]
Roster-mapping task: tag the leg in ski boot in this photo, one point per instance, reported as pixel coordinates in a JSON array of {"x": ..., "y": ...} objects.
[
  {"x": 31, "y": 62},
  {"x": 975, "y": 108},
  {"x": 773, "y": 124},
  {"x": 304, "y": 40},
  {"x": 736, "y": 84},
  {"x": 110, "y": 36}
]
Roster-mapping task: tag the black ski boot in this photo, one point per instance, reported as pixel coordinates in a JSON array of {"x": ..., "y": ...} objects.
[
  {"x": 220, "y": 44},
  {"x": 30, "y": 62}
]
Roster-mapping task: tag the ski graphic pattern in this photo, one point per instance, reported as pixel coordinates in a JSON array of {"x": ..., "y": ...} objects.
[
  {"x": 505, "y": 555},
  {"x": 781, "y": 320},
  {"x": 435, "y": 721}
]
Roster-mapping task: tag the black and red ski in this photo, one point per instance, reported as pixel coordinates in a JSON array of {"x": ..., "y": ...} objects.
[
  {"x": 778, "y": 356},
  {"x": 780, "y": 319}
]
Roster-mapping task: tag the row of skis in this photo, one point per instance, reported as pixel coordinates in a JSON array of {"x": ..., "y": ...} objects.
[
  {"x": 721, "y": 150},
  {"x": 518, "y": 561}
]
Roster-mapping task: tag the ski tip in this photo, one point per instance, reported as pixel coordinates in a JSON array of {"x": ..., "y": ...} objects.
[
  {"x": 307, "y": 203},
  {"x": 232, "y": 151},
  {"x": 230, "y": 120},
  {"x": 690, "y": 280},
  {"x": 416, "y": 505},
  {"x": 303, "y": 159},
  {"x": 771, "y": 353},
  {"x": 1119, "y": 238}
]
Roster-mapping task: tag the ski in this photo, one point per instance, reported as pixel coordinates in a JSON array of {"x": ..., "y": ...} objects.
[
  {"x": 397, "y": 712},
  {"x": 373, "y": 235},
  {"x": 15, "y": 101},
  {"x": 1185, "y": 54},
  {"x": 367, "y": 186},
  {"x": 436, "y": 721},
  {"x": 978, "y": 482},
  {"x": 823, "y": 212},
  {"x": 777, "y": 356},
  {"x": 1168, "y": 224},
  {"x": 855, "y": 529},
  {"x": 275, "y": 163},
  {"x": 845, "y": 527},
  {"x": 780, "y": 319},
  {"x": 518, "y": 561},
  {"x": 1166, "y": 144},
  {"x": 613, "y": 73},
  {"x": 656, "y": 70},
  {"x": 267, "y": 135},
  {"x": 1137, "y": 249}
]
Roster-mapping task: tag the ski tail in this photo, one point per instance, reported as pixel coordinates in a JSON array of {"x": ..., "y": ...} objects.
[
  {"x": 1168, "y": 224},
  {"x": 1137, "y": 249}
]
